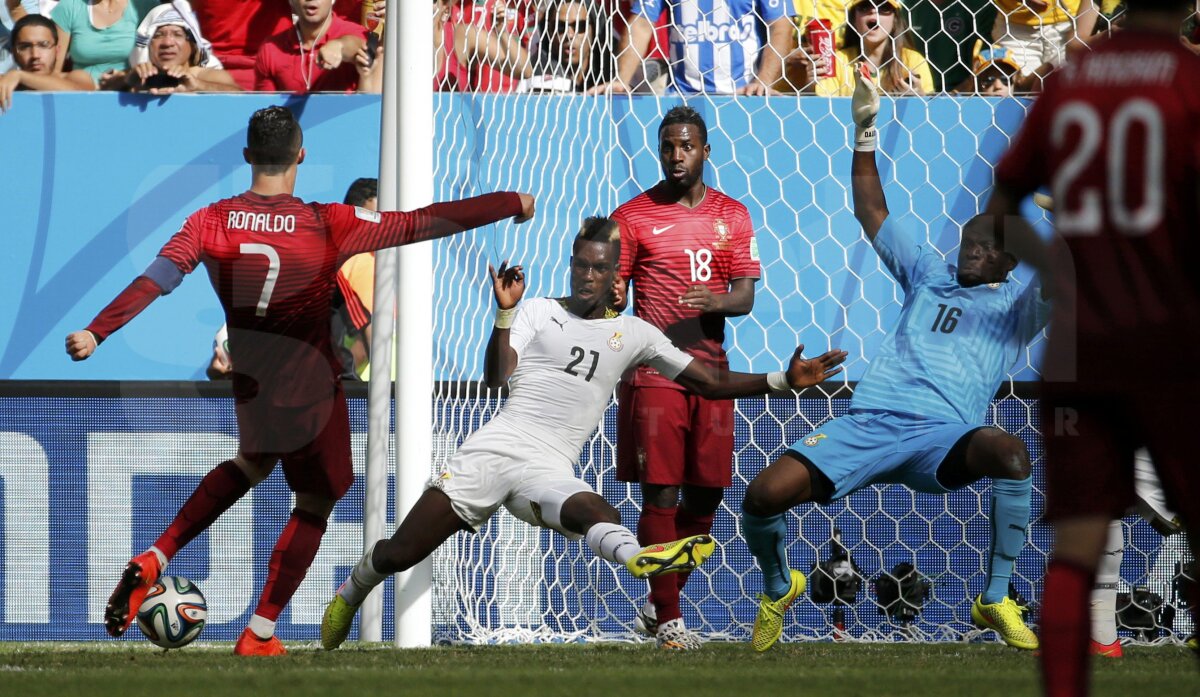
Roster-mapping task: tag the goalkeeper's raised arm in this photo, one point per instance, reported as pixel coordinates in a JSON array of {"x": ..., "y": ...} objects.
[{"x": 870, "y": 207}]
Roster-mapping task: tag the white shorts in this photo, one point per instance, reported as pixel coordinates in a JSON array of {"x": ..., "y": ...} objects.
[
  {"x": 498, "y": 467},
  {"x": 1033, "y": 45}
]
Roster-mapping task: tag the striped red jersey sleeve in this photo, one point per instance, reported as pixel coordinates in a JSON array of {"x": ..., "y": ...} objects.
[
  {"x": 355, "y": 230},
  {"x": 359, "y": 316}
]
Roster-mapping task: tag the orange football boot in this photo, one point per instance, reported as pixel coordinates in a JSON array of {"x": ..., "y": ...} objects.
[
  {"x": 1112, "y": 650},
  {"x": 250, "y": 645},
  {"x": 139, "y": 576}
]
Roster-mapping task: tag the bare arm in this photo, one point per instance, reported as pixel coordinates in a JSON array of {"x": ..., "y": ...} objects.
[
  {"x": 870, "y": 206},
  {"x": 15, "y": 9},
  {"x": 770, "y": 58},
  {"x": 631, "y": 51},
  {"x": 500, "y": 360},
  {"x": 1020, "y": 239},
  {"x": 500, "y": 50},
  {"x": 211, "y": 80},
  {"x": 710, "y": 383},
  {"x": 1085, "y": 20},
  {"x": 737, "y": 302}
]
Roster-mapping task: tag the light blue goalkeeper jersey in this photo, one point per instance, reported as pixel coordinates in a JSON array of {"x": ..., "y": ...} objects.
[{"x": 952, "y": 346}]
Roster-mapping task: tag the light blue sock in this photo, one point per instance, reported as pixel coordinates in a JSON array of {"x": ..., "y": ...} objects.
[
  {"x": 767, "y": 539},
  {"x": 1010, "y": 517}
]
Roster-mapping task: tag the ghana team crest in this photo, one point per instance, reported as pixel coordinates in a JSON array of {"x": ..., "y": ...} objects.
[
  {"x": 815, "y": 438},
  {"x": 615, "y": 343}
]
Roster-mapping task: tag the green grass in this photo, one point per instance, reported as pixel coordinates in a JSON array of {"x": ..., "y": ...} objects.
[{"x": 608, "y": 670}]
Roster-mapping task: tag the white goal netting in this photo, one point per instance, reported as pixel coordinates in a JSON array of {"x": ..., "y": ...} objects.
[{"x": 787, "y": 159}]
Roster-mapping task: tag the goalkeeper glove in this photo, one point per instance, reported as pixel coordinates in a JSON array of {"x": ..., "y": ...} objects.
[{"x": 864, "y": 107}]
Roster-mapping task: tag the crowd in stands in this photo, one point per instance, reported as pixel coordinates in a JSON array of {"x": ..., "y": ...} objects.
[{"x": 748, "y": 47}]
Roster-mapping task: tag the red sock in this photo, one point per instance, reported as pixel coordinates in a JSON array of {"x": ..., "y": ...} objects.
[
  {"x": 657, "y": 525},
  {"x": 688, "y": 524},
  {"x": 1065, "y": 629},
  {"x": 294, "y": 552},
  {"x": 220, "y": 489}
]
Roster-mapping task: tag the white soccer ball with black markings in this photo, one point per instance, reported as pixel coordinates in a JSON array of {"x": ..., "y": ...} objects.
[{"x": 173, "y": 613}]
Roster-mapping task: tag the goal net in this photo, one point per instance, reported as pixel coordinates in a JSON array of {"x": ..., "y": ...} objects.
[{"x": 787, "y": 159}]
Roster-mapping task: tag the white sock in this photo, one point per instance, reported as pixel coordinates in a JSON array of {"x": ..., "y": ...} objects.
[
  {"x": 362, "y": 580},
  {"x": 262, "y": 627},
  {"x": 162, "y": 558},
  {"x": 1104, "y": 593},
  {"x": 612, "y": 542}
]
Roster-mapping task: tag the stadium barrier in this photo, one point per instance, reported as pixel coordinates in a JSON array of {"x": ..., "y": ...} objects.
[{"x": 91, "y": 471}]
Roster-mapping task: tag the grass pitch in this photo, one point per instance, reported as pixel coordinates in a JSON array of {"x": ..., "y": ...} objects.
[{"x": 607, "y": 670}]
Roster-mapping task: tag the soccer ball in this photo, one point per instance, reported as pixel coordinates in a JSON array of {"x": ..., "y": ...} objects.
[{"x": 173, "y": 613}]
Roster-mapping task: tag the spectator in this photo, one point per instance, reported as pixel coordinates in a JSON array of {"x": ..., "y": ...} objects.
[
  {"x": 480, "y": 46},
  {"x": 237, "y": 28},
  {"x": 832, "y": 11},
  {"x": 170, "y": 56},
  {"x": 1039, "y": 31},
  {"x": 655, "y": 72},
  {"x": 878, "y": 35},
  {"x": 10, "y": 12},
  {"x": 712, "y": 53},
  {"x": 354, "y": 295},
  {"x": 573, "y": 54},
  {"x": 317, "y": 55},
  {"x": 35, "y": 44},
  {"x": 98, "y": 35},
  {"x": 994, "y": 75},
  {"x": 946, "y": 33}
]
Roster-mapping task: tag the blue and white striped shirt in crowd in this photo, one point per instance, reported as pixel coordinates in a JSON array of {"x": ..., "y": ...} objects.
[{"x": 714, "y": 43}]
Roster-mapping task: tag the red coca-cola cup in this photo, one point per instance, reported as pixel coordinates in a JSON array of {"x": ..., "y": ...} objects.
[{"x": 820, "y": 37}]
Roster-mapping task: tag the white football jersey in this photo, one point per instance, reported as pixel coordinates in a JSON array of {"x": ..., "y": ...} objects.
[{"x": 567, "y": 368}]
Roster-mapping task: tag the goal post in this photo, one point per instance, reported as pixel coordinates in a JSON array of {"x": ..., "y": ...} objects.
[{"x": 787, "y": 159}]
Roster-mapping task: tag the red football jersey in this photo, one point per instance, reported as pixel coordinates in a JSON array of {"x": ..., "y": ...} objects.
[
  {"x": 281, "y": 65},
  {"x": 272, "y": 261},
  {"x": 666, "y": 248},
  {"x": 1115, "y": 136}
]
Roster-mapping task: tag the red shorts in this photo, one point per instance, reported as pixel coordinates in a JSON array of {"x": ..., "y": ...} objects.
[
  {"x": 1090, "y": 439},
  {"x": 671, "y": 437},
  {"x": 313, "y": 442}
]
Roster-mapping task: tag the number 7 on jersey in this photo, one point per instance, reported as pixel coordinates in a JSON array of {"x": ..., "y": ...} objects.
[{"x": 266, "y": 250}]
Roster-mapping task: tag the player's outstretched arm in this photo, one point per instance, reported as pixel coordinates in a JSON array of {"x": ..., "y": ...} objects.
[
  {"x": 356, "y": 231},
  {"x": 870, "y": 206},
  {"x": 802, "y": 372},
  {"x": 135, "y": 298},
  {"x": 508, "y": 285}
]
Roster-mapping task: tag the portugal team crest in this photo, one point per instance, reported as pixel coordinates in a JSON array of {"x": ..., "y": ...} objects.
[
  {"x": 815, "y": 438},
  {"x": 615, "y": 343},
  {"x": 722, "y": 232}
]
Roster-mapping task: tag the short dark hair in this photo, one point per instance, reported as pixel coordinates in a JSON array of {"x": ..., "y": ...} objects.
[
  {"x": 685, "y": 115},
  {"x": 274, "y": 137},
  {"x": 33, "y": 21},
  {"x": 598, "y": 229},
  {"x": 362, "y": 190}
]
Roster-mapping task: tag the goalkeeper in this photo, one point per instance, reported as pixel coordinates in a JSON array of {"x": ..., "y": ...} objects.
[{"x": 918, "y": 415}]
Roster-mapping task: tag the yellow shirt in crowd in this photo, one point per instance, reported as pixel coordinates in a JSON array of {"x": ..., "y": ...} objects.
[
  {"x": 1019, "y": 13},
  {"x": 832, "y": 10},
  {"x": 842, "y": 84}
]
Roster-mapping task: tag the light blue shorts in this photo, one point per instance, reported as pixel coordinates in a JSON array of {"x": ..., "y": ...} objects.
[{"x": 865, "y": 448}]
